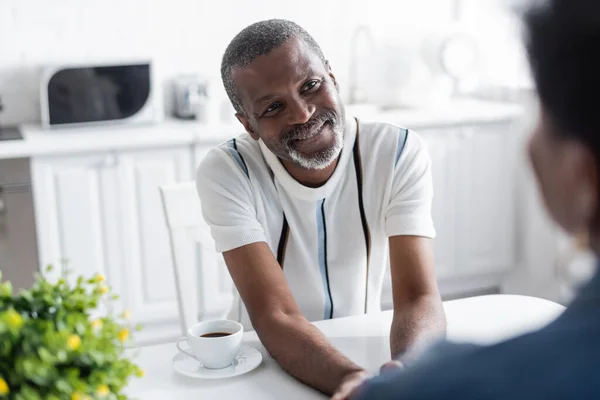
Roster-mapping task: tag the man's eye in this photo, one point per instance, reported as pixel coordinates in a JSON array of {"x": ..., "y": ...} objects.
[
  {"x": 310, "y": 85},
  {"x": 272, "y": 107}
]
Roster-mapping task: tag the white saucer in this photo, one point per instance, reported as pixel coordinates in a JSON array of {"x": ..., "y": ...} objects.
[{"x": 247, "y": 360}]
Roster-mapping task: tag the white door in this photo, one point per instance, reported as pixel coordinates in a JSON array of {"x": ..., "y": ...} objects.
[
  {"x": 442, "y": 144},
  {"x": 146, "y": 241},
  {"x": 485, "y": 199},
  {"x": 76, "y": 199}
]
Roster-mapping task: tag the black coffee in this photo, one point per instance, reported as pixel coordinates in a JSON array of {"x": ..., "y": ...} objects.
[{"x": 215, "y": 334}]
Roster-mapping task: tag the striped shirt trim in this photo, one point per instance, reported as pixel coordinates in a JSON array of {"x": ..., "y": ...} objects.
[
  {"x": 402, "y": 136},
  {"x": 322, "y": 240},
  {"x": 363, "y": 215},
  {"x": 283, "y": 241},
  {"x": 232, "y": 145}
]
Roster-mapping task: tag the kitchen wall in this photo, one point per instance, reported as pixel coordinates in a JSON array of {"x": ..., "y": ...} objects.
[
  {"x": 182, "y": 36},
  {"x": 497, "y": 24}
]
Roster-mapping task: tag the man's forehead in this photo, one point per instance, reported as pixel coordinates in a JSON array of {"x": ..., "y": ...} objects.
[{"x": 292, "y": 58}]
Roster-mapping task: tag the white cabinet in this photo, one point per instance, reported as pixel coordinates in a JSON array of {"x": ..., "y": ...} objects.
[
  {"x": 473, "y": 207},
  {"x": 485, "y": 207},
  {"x": 74, "y": 204},
  {"x": 146, "y": 248},
  {"x": 102, "y": 213},
  {"x": 443, "y": 148}
]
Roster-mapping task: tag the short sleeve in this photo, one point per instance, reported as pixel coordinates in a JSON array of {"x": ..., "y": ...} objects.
[
  {"x": 227, "y": 201},
  {"x": 409, "y": 209}
]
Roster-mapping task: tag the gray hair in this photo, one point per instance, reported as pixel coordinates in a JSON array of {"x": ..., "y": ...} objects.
[{"x": 256, "y": 40}]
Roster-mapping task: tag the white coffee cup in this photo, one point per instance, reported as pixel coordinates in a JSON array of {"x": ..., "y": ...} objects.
[{"x": 213, "y": 352}]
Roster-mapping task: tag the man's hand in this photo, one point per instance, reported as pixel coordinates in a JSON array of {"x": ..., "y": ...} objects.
[
  {"x": 391, "y": 366},
  {"x": 354, "y": 381},
  {"x": 350, "y": 385}
]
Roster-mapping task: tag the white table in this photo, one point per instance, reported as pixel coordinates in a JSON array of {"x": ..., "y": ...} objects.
[{"x": 365, "y": 339}]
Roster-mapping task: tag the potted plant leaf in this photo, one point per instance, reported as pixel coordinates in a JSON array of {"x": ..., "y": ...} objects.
[{"x": 52, "y": 347}]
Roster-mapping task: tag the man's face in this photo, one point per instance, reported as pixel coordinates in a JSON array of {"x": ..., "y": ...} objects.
[
  {"x": 567, "y": 176},
  {"x": 291, "y": 102}
]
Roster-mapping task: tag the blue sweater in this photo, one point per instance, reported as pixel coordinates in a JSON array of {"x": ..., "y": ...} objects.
[{"x": 560, "y": 361}]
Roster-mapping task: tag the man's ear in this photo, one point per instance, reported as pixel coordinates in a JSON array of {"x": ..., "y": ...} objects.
[
  {"x": 331, "y": 75},
  {"x": 244, "y": 121}
]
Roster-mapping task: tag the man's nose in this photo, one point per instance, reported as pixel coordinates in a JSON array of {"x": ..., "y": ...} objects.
[{"x": 300, "y": 112}]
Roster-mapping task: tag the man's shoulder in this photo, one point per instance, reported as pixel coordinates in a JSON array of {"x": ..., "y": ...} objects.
[
  {"x": 381, "y": 129},
  {"x": 388, "y": 141},
  {"x": 236, "y": 156}
]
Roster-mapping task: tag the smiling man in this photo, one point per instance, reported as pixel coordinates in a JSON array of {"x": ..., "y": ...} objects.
[{"x": 309, "y": 205}]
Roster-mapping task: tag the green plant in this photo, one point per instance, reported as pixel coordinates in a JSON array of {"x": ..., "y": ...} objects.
[{"x": 51, "y": 347}]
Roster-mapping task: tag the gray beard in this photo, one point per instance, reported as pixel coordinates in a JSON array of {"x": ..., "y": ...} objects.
[{"x": 323, "y": 159}]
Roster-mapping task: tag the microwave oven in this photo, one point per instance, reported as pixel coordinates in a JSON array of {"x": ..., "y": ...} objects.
[{"x": 109, "y": 93}]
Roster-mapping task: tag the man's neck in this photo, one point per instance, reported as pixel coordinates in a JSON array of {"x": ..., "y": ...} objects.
[{"x": 307, "y": 177}]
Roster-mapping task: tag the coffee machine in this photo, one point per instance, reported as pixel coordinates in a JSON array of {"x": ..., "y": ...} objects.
[{"x": 191, "y": 97}]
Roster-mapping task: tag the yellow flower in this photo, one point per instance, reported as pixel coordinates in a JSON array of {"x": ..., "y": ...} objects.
[
  {"x": 123, "y": 335},
  {"x": 127, "y": 314},
  {"x": 4, "y": 390},
  {"x": 103, "y": 289},
  {"x": 99, "y": 278},
  {"x": 80, "y": 396},
  {"x": 102, "y": 390},
  {"x": 73, "y": 342},
  {"x": 140, "y": 373},
  {"x": 96, "y": 324},
  {"x": 14, "y": 319}
]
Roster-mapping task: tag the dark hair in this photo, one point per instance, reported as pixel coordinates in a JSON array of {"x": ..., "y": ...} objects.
[
  {"x": 256, "y": 40},
  {"x": 563, "y": 45}
]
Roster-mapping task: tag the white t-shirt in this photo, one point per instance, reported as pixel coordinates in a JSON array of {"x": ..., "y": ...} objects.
[{"x": 331, "y": 241}]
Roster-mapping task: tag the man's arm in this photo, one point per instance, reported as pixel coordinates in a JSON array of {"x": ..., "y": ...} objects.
[
  {"x": 418, "y": 313},
  {"x": 299, "y": 347}
]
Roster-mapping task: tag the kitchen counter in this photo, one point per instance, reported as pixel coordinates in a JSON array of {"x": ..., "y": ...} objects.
[
  {"x": 40, "y": 142},
  {"x": 457, "y": 112}
]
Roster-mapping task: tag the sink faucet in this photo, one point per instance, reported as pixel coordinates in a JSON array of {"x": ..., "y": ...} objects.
[{"x": 356, "y": 94}]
